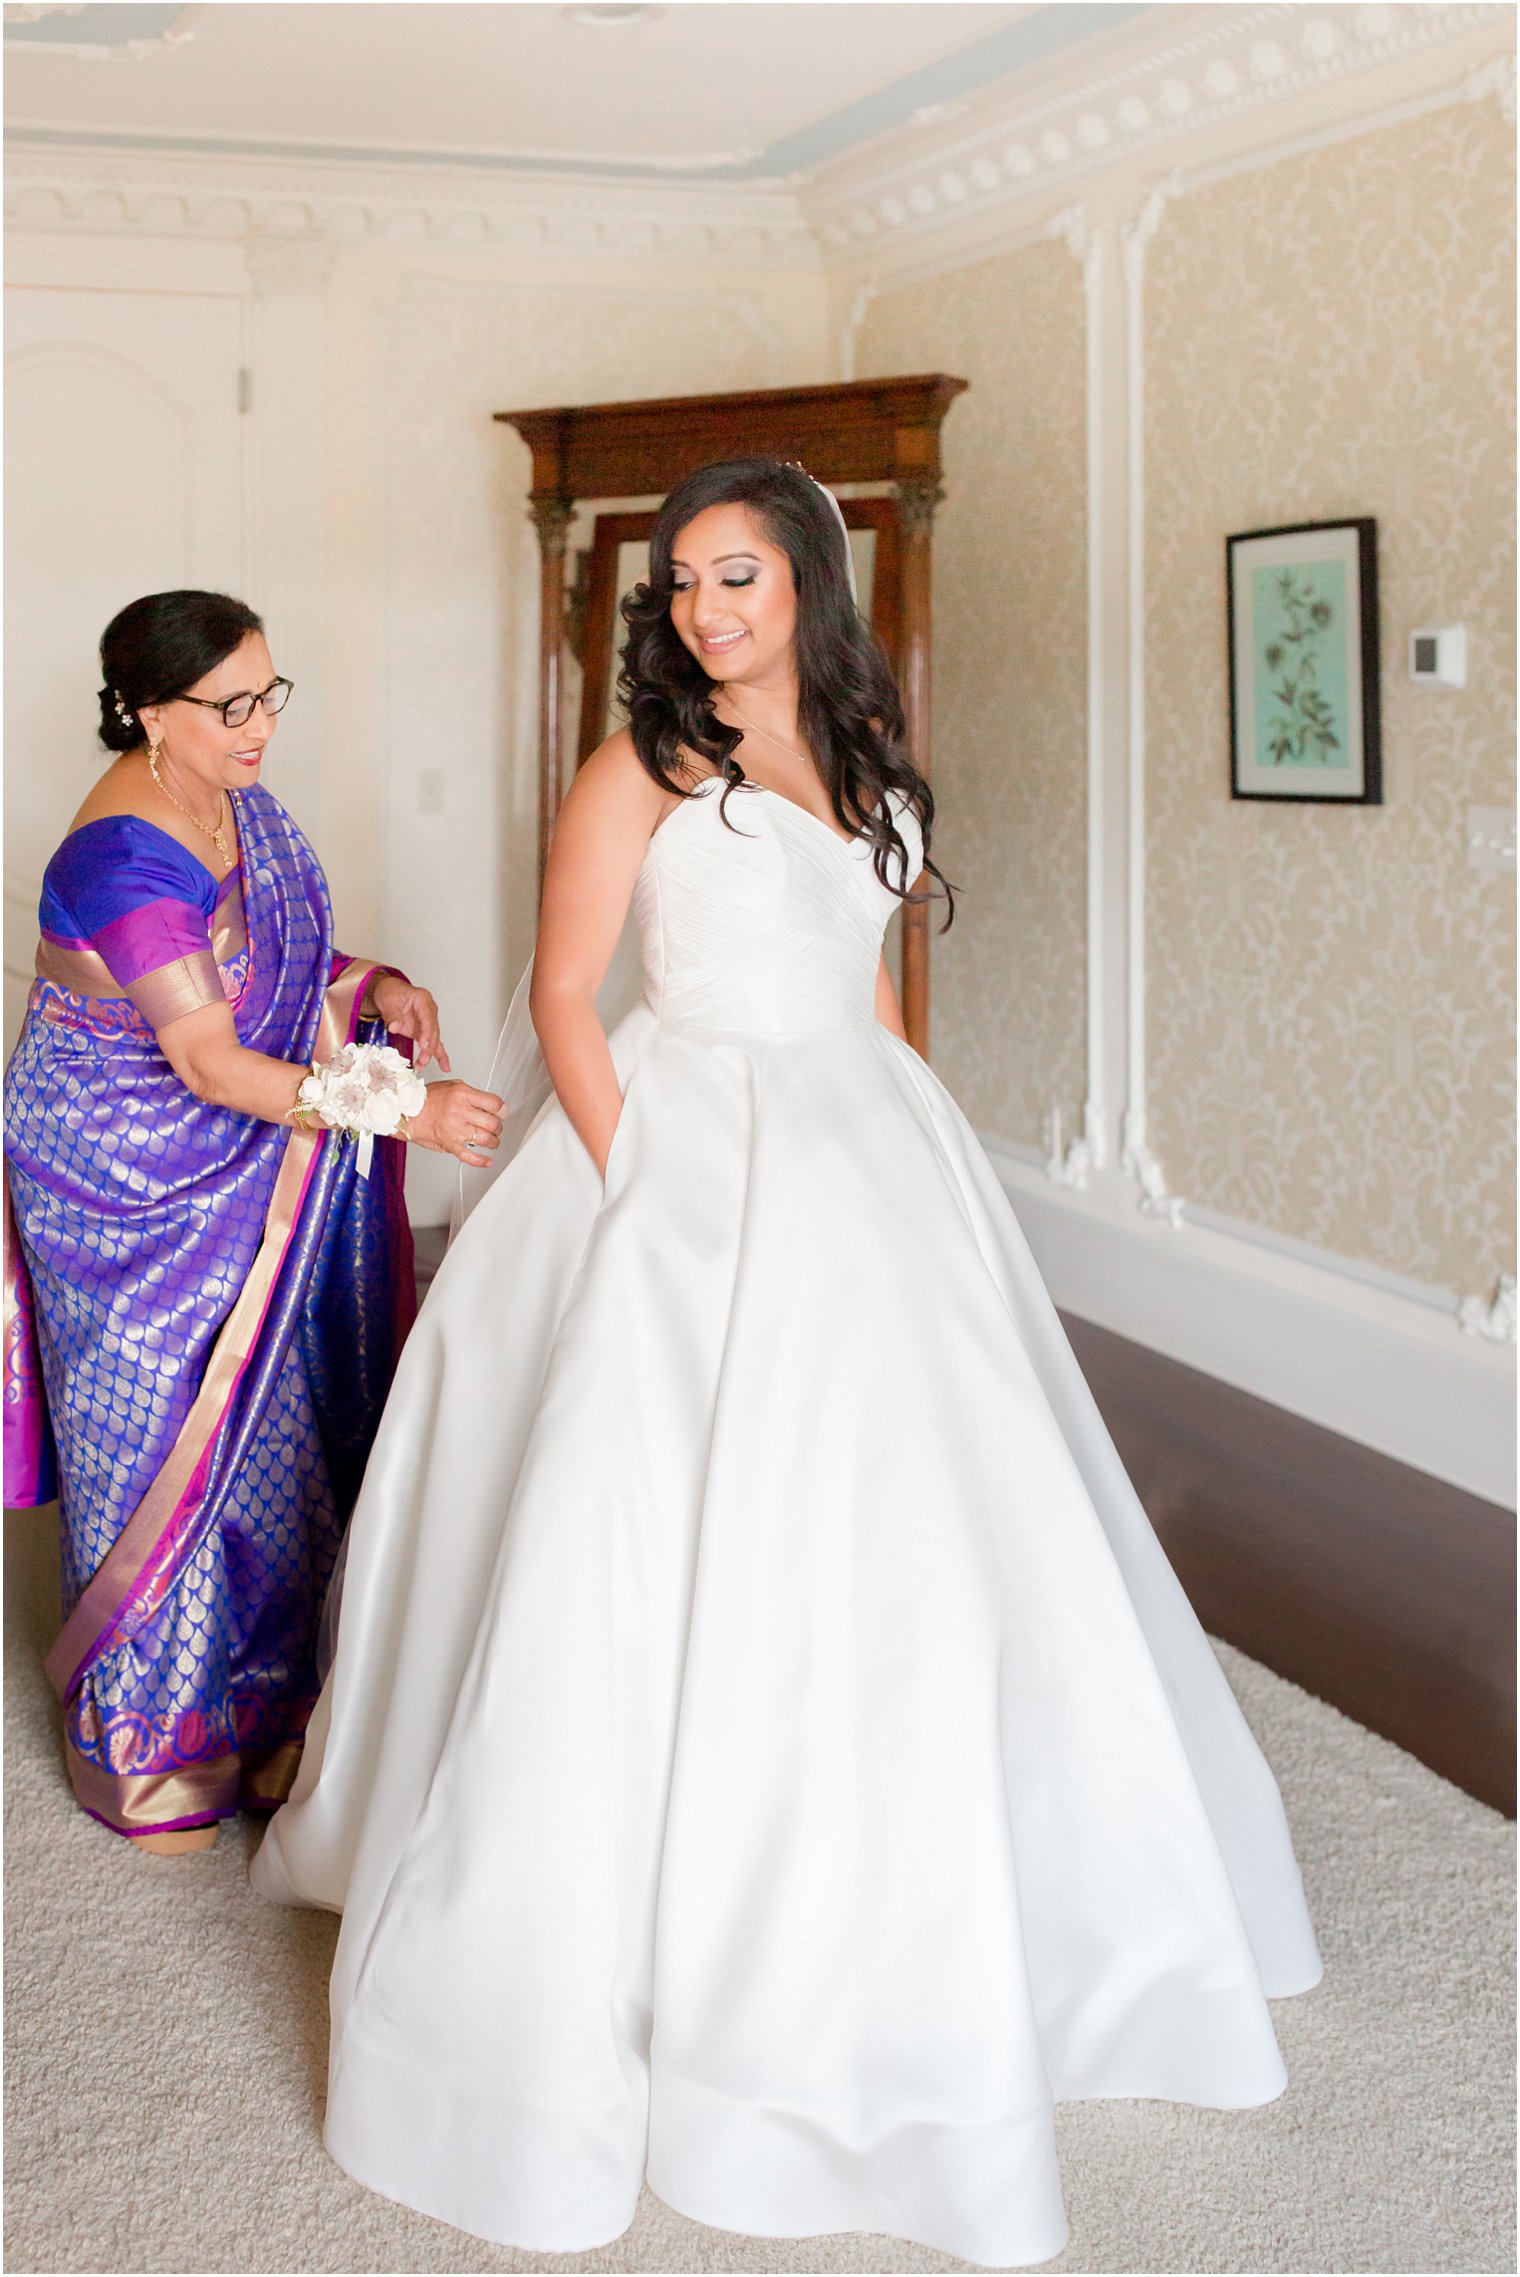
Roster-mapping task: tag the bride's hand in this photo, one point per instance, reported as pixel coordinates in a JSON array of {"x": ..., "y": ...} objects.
[
  {"x": 409, "y": 1011},
  {"x": 459, "y": 1120}
]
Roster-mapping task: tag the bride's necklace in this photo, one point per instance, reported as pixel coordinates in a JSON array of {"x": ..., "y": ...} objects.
[
  {"x": 800, "y": 756},
  {"x": 217, "y": 832}
]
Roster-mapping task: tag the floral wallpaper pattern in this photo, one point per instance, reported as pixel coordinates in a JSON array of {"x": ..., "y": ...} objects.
[
  {"x": 1330, "y": 991},
  {"x": 1010, "y": 676}
]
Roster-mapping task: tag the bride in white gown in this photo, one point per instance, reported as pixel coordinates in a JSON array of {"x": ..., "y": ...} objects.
[{"x": 767, "y": 1750}]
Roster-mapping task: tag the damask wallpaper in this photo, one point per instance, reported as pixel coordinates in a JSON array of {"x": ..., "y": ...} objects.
[
  {"x": 1010, "y": 676},
  {"x": 1330, "y": 991}
]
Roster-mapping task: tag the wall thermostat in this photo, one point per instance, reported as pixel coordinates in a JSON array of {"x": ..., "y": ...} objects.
[{"x": 1439, "y": 656}]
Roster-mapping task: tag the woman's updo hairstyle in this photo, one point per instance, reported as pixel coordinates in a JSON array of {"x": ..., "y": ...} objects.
[
  {"x": 848, "y": 709},
  {"x": 160, "y": 646}
]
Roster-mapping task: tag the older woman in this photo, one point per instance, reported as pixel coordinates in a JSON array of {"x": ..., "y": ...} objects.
[{"x": 210, "y": 1287}]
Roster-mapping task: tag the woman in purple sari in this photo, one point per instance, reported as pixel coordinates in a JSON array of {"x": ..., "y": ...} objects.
[{"x": 206, "y": 1291}]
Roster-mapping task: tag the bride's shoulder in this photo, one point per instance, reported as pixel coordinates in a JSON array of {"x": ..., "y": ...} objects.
[
  {"x": 613, "y": 807},
  {"x": 615, "y": 777},
  {"x": 614, "y": 770}
]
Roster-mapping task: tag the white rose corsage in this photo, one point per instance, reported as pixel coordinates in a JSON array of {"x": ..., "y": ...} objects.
[{"x": 368, "y": 1089}]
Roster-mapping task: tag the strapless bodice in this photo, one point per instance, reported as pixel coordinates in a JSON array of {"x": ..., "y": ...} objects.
[{"x": 766, "y": 919}]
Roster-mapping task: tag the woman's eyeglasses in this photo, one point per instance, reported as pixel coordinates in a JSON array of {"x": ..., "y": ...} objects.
[{"x": 237, "y": 711}]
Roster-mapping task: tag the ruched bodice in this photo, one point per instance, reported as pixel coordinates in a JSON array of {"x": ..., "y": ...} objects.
[{"x": 766, "y": 920}]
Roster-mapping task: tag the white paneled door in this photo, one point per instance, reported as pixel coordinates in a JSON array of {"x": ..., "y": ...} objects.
[{"x": 125, "y": 473}]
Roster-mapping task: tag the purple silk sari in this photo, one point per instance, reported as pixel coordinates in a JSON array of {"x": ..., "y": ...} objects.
[{"x": 203, "y": 1313}]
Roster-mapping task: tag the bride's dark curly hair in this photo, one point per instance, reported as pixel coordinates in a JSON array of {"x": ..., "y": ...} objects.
[{"x": 849, "y": 712}]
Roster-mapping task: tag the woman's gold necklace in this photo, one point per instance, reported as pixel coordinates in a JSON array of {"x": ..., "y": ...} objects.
[
  {"x": 800, "y": 756},
  {"x": 217, "y": 833}
]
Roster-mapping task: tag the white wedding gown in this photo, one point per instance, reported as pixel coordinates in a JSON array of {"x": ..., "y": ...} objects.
[{"x": 767, "y": 1749}]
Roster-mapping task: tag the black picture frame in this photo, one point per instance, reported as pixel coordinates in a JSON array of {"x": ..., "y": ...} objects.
[{"x": 1291, "y": 713}]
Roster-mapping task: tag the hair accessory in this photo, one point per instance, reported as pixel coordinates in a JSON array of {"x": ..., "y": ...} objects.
[
  {"x": 368, "y": 1089},
  {"x": 838, "y": 513},
  {"x": 128, "y": 719}
]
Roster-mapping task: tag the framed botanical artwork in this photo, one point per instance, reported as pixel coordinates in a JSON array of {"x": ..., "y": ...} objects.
[{"x": 1304, "y": 718}]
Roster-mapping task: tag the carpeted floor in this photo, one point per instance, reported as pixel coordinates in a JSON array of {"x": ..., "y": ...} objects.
[{"x": 166, "y": 2038}]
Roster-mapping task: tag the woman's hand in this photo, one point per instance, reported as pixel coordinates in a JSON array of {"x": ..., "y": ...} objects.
[
  {"x": 458, "y": 1120},
  {"x": 409, "y": 1011}
]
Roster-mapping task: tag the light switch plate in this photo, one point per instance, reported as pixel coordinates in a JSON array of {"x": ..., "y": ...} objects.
[{"x": 1438, "y": 656}]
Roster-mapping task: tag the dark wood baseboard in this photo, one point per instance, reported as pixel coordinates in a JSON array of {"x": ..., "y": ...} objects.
[{"x": 1374, "y": 1586}]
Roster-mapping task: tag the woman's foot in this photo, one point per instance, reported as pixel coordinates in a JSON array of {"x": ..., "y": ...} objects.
[{"x": 178, "y": 1840}]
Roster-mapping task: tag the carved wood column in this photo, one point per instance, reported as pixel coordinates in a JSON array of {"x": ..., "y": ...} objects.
[
  {"x": 551, "y": 517},
  {"x": 916, "y": 500}
]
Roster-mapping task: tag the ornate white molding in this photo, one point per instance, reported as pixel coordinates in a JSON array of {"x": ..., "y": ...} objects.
[
  {"x": 1496, "y": 79},
  {"x": 1137, "y": 1161},
  {"x": 1226, "y": 63},
  {"x": 1492, "y": 1318},
  {"x": 1135, "y": 1158},
  {"x": 1086, "y": 1152},
  {"x": 111, "y": 191},
  {"x": 1084, "y": 238}
]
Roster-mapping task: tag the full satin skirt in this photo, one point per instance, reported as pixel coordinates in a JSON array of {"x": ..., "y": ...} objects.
[{"x": 768, "y": 1749}]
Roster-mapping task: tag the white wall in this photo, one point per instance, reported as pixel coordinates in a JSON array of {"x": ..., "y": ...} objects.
[{"x": 364, "y": 501}]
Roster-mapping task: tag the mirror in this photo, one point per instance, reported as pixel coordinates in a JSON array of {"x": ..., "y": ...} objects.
[{"x": 617, "y": 559}]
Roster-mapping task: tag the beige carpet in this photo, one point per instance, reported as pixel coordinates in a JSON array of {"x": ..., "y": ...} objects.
[{"x": 167, "y": 2039}]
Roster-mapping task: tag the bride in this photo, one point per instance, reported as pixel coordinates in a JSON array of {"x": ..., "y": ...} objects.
[{"x": 767, "y": 1750}]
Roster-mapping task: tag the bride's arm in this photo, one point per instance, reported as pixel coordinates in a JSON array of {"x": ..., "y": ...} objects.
[{"x": 610, "y": 812}]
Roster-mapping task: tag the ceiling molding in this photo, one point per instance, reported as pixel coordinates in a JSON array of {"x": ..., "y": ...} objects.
[
  {"x": 915, "y": 192},
  {"x": 936, "y": 88},
  {"x": 1224, "y": 63},
  {"x": 82, "y": 189}
]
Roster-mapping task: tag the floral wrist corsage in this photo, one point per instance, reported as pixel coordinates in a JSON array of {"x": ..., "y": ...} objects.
[{"x": 368, "y": 1089}]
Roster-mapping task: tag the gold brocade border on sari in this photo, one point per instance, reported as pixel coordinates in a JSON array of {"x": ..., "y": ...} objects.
[
  {"x": 169, "y": 992},
  {"x": 117, "y": 1576},
  {"x": 147, "y": 1802},
  {"x": 172, "y": 992},
  {"x": 269, "y": 1775}
]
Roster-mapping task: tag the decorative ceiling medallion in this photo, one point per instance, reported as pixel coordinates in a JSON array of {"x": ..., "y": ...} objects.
[
  {"x": 122, "y": 31},
  {"x": 605, "y": 17}
]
